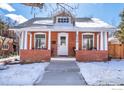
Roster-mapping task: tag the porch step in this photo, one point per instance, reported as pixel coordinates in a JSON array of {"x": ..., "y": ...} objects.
[{"x": 63, "y": 59}]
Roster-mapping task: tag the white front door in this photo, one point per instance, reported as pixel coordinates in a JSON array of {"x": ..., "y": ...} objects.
[{"x": 62, "y": 44}]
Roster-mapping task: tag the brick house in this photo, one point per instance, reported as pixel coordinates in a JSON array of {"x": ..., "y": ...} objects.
[
  {"x": 86, "y": 39},
  {"x": 7, "y": 46}
]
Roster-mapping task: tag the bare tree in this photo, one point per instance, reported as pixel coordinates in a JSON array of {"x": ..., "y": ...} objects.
[
  {"x": 68, "y": 7},
  {"x": 5, "y": 24},
  {"x": 120, "y": 33}
]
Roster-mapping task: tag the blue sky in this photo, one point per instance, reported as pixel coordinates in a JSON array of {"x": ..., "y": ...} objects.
[{"x": 107, "y": 12}]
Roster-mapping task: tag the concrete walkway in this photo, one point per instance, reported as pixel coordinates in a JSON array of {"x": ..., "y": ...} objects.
[{"x": 61, "y": 73}]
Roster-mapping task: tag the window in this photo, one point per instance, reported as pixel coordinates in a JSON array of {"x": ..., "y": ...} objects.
[
  {"x": 40, "y": 41},
  {"x": 63, "y": 20},
  {"x": 5, "y": 47},
  {"x": 88, "y": 41},
  {"x": 63, "y": 40}
]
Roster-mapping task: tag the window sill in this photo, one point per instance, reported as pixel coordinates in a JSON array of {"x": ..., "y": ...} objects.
[{"x": 5, "y": 49}]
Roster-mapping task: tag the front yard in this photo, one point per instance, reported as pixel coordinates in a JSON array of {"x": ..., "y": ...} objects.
[
  {"x": 95, "y": 73},
  {"x": 101, "y": 73},
  {"x": 25, "y": 74}
]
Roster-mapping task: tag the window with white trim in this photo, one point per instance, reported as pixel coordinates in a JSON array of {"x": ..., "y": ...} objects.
[
  {"x": 63, "y": 20},
  {"x": 5, "y": 47},
  {"x": 40, "y": 41},
  {"x": 88, "y": 41}
]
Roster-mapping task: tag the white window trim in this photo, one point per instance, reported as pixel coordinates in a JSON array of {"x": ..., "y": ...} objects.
[
  {"x": 5, "y": 48},
  {"x": 63, "y": 17},
  {"x": 87, "y": 34},
  {"x": 98, "y": 47},
  {"x": 35, "y": 38}
]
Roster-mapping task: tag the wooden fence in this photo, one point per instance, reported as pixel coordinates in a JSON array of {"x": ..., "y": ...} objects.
[{"x": 116, "y": 50}]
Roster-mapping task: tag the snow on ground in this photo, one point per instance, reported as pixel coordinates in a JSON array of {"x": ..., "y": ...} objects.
[
  {"x": 25, "y": 74},
  {"x": 9, "y": 58},
  {"x": 103, "y": 73}
]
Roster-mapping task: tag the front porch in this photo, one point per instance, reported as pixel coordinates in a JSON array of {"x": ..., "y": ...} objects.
[{"x": 97, "y": 49}]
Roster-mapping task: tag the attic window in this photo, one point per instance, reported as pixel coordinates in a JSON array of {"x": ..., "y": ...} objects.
[{"x": 63, "y": 20}]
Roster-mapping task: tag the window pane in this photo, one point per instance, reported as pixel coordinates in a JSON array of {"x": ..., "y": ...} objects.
[
  {"x": 88, "y": 42},
  {"x": 40, "y": 36},
  {"x": 5, "y": 46},
  {"x": 63, "y": 40},
  {"x": 63, "y": 20},
  {"x": 40, "y": 41}
]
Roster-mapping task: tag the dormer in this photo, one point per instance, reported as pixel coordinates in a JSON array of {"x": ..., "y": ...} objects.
[{"x": 63, "y": 17}]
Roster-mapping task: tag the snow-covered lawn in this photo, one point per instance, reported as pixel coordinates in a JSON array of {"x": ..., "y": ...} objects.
[
  {"x": 25, "y": 74},
  {"x": 9, "y": 58},
  {"x": 101, "y": 73}
]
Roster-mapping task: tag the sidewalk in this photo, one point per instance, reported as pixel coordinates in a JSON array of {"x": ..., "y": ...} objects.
[{"x": 61, "y": 73}]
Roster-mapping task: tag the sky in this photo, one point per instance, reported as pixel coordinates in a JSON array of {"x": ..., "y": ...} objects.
[{"x": 108, "y": 12}]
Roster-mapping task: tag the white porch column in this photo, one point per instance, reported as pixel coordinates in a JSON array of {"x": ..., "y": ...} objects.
[
  {"x": 22, "y": 40},
  {"x": 25, "y": 40},
  {"x": 77, "y": 47},
  {"x": 105, "y": 41},
  {"x": 30, "y": 40},
  {"x": 49, "y": 40},
  {"x": 101, "y": 41},
  {"x": 98, "y": 41}
]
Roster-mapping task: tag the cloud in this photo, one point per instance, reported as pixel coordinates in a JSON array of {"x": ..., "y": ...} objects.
[
  {"x": 7, "y": 7},
  {"x": 18, "y": 18}
]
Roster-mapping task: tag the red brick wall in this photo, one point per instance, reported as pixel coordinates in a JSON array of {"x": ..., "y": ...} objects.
[
  {"x": 71, "y": 43},
  {"x": 85, "y": 55},
  {"x": 35, "y": 55},
  {"x": 80, "y": 40},
  {"x": 33, "y": 40},
  {"x": 95, "y": 40},
  {"x": 54, "y": 36}
]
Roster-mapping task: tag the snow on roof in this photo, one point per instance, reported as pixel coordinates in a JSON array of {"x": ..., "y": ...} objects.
[
  {"x": 83, "y": 23},
  {"x": 94, "y": 23},
  {"x": 43, "y": 22}
]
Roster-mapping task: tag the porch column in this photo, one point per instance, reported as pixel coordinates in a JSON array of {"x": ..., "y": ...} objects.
[
  {"x": 105, "y": 41},
  {"x": 77, "y": 47},
  {"x": 21, "y": 40},
  {"x": 98, "y": 41},
  {"x": 101, "y": 41},
  {"x": 25, "y": 40},
  {"x": 30, "y": 40},
  {"x": 49, "y": 40}
]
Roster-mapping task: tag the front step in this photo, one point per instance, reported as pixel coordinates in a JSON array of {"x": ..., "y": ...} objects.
[{"x": 63, "y": 59}]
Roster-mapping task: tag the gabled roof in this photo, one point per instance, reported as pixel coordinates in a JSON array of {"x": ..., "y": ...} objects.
[
  {"x": 79, "y": 22},
  {"x": 64, "y": 13},
  {"x": 93, "y": 23},
  {"x": 31, "y": 21}
]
